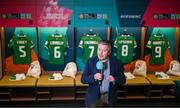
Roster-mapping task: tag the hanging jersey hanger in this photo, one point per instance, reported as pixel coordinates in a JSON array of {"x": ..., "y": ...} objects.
[
  {"x": 56, "y": 32},
  {"x": 21, "y": 32},
  {"x": 158, "y": 33},
  {"x": 125, "y": 32},
  {"x": 91, "y": 32}
]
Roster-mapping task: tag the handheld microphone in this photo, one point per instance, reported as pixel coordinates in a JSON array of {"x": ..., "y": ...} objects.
[{"x": 100, "y": 66}]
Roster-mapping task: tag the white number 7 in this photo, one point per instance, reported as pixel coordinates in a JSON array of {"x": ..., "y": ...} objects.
[{"x": 92, "y": 50}]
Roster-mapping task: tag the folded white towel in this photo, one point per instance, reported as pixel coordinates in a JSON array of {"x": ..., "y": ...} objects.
[{"x": 129, "y": 75}]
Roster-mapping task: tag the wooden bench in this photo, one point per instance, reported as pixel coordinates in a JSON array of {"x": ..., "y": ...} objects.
[
  {"x": 137, "y": 88},
  {"x": 160, "y": 88},
  {"x": 23, "y": 90},
  {"x": 55, "y": 89}
]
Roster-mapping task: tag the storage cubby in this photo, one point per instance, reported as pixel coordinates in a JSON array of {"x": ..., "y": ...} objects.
[
  {"x": 55, "y": 89},
  {"x": 133, "y": 92},
  {"x": 162, "y": 91},
  {"x": 43, "y": 94},
  {"x": 80, "y": 92},
  {"x": 23, "y": 94},
  {"x": 24, "y": 90},
  {"x": 121, "y": 92},
  {"x": 5, "y": 94},
  {"x": 168, "y": 92},
  {"x": 137, "y": 92},
  {"x": 80, "y": 88},
  {"x": 156, "y": 91},
  {"x": 62, "y": 93},
  {"x": 160, "y": 88},
  {"x": 137, "y": 88}
]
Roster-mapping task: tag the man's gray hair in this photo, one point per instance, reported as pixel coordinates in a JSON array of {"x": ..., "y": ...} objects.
[{"x": 106, "y": 42}]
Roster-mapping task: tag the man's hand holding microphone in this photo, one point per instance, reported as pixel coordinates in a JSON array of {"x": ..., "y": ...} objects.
[{"x": 99, "y": 76}]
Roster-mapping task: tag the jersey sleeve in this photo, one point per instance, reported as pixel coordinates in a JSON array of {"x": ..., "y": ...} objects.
[
  {"x": 31, "y": 42},
  {"x": 65, "y": 43},
  {"x": 11, "y": 42},
  {"x": 149, "y": 42},
  {"x": 99, "y": 38},
  {"x": 168, "y": 45},
  {"x": 66, "y": 40},
  {"x": 116, "y": 43},
  {"x": 135, "y": 43},
  {"x": 81, "y": 43},
  {"x": 46, "y": 43},
  {"x": 167, "y": 41}
]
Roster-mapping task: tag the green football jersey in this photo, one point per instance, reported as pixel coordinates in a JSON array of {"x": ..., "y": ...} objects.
[
  {"x": 89, "y": 44},
  {"x": 158, "y": 45},
  {"x": 56, "y": 44},
  {"x": 125, "y": 45},
  {"x": 21, "y": 49}
]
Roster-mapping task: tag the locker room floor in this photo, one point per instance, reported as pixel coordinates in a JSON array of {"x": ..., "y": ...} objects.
[{"x": 156, "y": 103}]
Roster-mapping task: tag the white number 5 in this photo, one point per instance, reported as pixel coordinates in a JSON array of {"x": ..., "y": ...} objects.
[{"x": 23, "y": 53}]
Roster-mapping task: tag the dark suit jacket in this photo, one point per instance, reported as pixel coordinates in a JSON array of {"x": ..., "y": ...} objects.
[{"x": 93, "y": 93}]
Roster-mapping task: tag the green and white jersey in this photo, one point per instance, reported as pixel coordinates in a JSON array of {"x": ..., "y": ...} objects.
[
  {"x": 56, "y": 44},
  {"x": 89, "y": 44},
  {"x": 158, "y": 45},
  {"x": 21, "y": 49},
  {"x": 125, "y": 45}
]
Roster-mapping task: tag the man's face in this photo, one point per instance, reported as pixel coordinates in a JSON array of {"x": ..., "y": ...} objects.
[{"x": 103, "y": 51}]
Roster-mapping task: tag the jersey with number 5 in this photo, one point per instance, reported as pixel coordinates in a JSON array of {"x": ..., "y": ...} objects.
[
  {"x": 125, "y": 45},
  {"x": 89, "y": 44},
  {"x": 56, "y": 46},
  {"x": 158, "y": 45},
  {"x": 21, "y": 49}
]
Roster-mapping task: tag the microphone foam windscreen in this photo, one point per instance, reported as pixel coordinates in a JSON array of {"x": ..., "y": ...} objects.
[{"x": 99, "y": 65}]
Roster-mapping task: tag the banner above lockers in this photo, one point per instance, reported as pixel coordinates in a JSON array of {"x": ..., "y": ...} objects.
[
  {"x": 91, "y": 13},
  {"x": 18, "y": 13},
  {"x": 27, "y": 13},
  {"x": 162, "y": 13}
]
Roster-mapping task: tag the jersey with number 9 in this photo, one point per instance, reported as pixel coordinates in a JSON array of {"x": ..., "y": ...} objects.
[{"x": 158, "y": 45}]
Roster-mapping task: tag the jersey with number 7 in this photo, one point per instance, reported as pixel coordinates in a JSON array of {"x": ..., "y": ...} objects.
[
  {"x": 158, "y": 45},
  {"x": 21, "y": 49},
  {"x": 125, "y": 45},
  {"x": 89, "y": 43},
  {"x": 56, "y": 44}
]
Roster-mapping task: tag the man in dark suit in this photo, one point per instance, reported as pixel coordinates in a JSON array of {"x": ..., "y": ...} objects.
[{"x": 103, "y": 83}]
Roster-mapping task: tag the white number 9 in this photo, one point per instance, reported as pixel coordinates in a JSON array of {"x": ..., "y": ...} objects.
[{"x": 158, "y": 51}]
